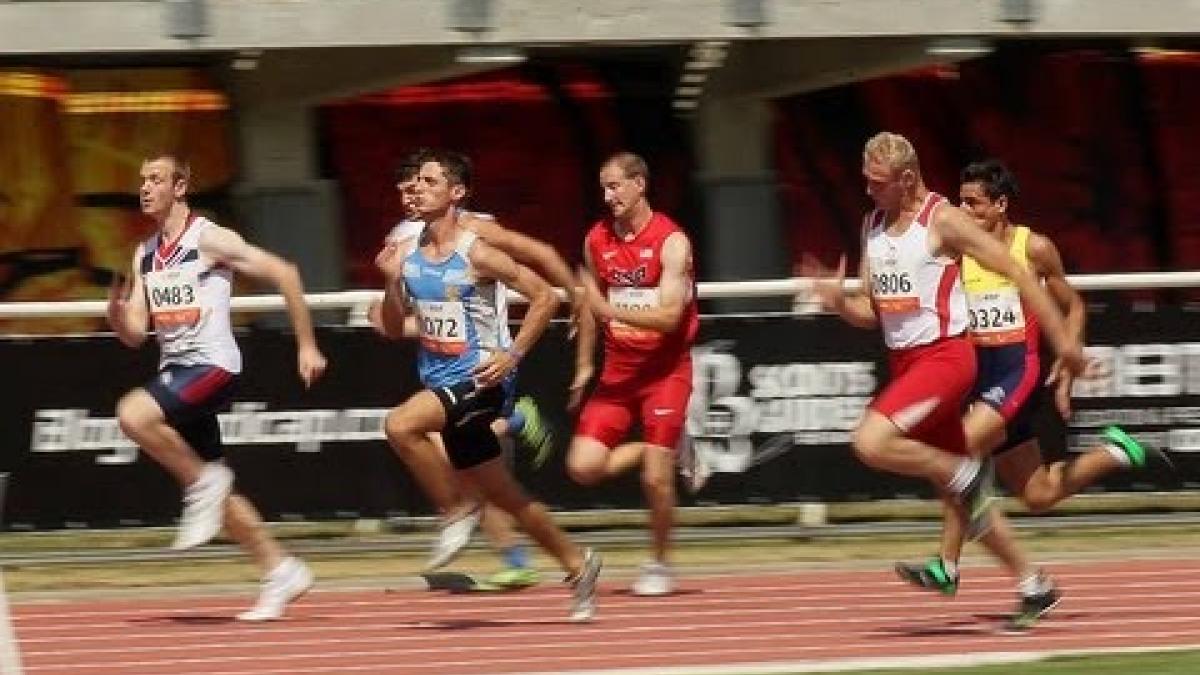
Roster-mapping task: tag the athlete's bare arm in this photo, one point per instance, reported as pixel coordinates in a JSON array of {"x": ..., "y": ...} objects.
[
  {"x": 674, "y": 290},
  {"x": 953, "y": 231},
  {"x": 128, "y": 313},
  {"x": 393, "y": 318},
  {"x": 227, "y": 247},
  {"x": 855, "y": 307},
  {"x": 1049, "y": 266},
  {"x": 528, "y": 251},
  {"x": 544, "y": 259},
  {"x": 496, "y": 264}
]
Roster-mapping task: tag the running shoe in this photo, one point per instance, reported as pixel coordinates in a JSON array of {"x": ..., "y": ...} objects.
[{"x": 931, "y": 575}]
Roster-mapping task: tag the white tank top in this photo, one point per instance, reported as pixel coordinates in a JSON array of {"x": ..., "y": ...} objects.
[
  {"x": 189, "y": 301},
  {"x": 918, "y": 296},
  {"x": 405, "y": 230}
]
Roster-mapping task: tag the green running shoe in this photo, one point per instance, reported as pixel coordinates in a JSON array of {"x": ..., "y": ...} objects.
[
  {"x": 930, "y": 575},
  {"x": 1138, "y": 454},
  {"x": 514, "y": 578},
  {"x": 537, "y": 435}
]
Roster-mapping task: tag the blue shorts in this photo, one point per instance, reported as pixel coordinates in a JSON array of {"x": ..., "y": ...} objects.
[
  {"x": 1009, "y": 380},
  {"x": 190, "y": 398}
]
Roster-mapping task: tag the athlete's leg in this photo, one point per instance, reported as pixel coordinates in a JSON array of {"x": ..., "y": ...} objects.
[
  {"x": 594, "y": 455},
  {"x": 1040, "y": 486},
  {"x": 408, "y": 428},
  {"x": 145, "y": 423},
  {"x": 476, "y": 453}
]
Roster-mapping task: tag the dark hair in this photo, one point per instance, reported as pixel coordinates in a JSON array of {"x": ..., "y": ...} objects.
[
  {"x": 409, "y": 165},
  {"x": 456, "y": 165},
  {"x": 996, "y": 179}
]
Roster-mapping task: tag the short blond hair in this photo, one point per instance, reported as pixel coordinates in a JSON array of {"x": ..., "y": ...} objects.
[
  {"x": 181, "y": 169},
  {"x": 632, "y": 165},
  {"x": 892, "y": 150}
]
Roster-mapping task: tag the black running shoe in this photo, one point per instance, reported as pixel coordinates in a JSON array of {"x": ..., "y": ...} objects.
[{"x": 1033, "y": 607}]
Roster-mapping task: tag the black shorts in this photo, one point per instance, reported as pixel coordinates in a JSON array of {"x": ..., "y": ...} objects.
[
  {"x": 470, "y": 412},
  {"x": 190, "y": 398}
]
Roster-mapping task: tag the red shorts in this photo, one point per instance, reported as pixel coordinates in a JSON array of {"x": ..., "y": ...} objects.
[
  {"x": 928, "y": 392},
  {"x": 662, "y": 404}
]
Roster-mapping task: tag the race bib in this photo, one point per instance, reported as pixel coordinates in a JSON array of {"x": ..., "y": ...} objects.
[
  {"x": 443, "y": 326},
  {"x": 893, "y": 289},
  {"x": 635, "y": 299},
  {"x": 997, "y": 317},
  {"x": 174, "y": 296}
]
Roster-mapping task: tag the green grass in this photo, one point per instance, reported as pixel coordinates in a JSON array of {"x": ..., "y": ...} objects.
[{"x": 1150, "y": 663}]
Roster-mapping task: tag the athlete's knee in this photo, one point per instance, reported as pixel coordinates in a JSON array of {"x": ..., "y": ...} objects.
[
  {"x": 1040, "y": 498},
  {"x": 585, "y": 465},
  {"x": 658, "y": 482},
  {"x": 135, "y": 412},
  {"x": 400, "y": 430},
  {"x": 1042, "y": 490},
  {"x": 870, "y": 445},
  {"x": 583, "y": 471}
]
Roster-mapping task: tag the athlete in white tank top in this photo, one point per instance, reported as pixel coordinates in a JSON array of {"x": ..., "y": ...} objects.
[
  {"x": 188, "y": 295},
  {"x": 918, "y": 296},
  {"x": 181, "y": 281},
  {"x": 912, "y": 291}
]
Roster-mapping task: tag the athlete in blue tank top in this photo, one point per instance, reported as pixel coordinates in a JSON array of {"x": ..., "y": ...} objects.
[{"x": 466, "y": 356}]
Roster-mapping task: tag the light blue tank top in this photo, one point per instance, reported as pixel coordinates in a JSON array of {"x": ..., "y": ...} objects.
[{"x": 462, "y": 318}]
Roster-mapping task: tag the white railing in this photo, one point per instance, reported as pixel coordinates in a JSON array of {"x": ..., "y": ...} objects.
[{"x": 766, "y": 288}]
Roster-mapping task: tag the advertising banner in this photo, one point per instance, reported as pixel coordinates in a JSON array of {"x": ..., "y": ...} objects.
[{"x": 775, "y": 400}]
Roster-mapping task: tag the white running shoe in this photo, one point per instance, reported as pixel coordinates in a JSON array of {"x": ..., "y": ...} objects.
[
  {"x": 453, "y": 538},
  {"x": 288, "y": 581},
  {"x": 656, "y": 579},
  {"x": 583, "y": 588},
  {"x": 204, "y": 506}
]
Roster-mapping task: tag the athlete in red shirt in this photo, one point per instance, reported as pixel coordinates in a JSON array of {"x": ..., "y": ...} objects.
[{"x": 639, "y": 283}]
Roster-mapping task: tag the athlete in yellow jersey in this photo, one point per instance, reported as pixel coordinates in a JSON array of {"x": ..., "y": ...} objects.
[{"x": 1007, "y": 394}]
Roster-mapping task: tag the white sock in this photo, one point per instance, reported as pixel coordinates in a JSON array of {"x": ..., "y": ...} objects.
[
  {"x": 284, "y": 567},
  {"x": 966, "y": 472},
  {"x": 1118, "y": 454},
  {"x": 951, "y": 568}
]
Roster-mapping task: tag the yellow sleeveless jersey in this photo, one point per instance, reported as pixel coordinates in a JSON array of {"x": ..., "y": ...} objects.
[{"x": 996, "y": 312}]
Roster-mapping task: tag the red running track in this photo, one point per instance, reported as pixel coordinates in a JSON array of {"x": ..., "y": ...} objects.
[{"x": 800, "y": 618}]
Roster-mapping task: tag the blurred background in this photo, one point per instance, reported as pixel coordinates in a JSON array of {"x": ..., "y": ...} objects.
[
  {"x": 751, "y": 113},
  {"x": 294, "y": 114}
]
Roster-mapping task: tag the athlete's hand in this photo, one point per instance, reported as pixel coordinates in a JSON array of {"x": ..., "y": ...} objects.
[
  {"x": 579, "y": 305},
  {"x": 375, "y": 316},
  {"x": 827, "y": 286},
  {"x": 1062, "y": 380},
  {"x": 118, "y": 303},
  {"x": 493, "y": 371},
  {"x": 583, "y": 375},
  {"x": 389, "y": 261},
  {"x": 1070, "y": 354},
  {"x": 310, "y": 363},
  {"x": 595, "y": 299}
]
